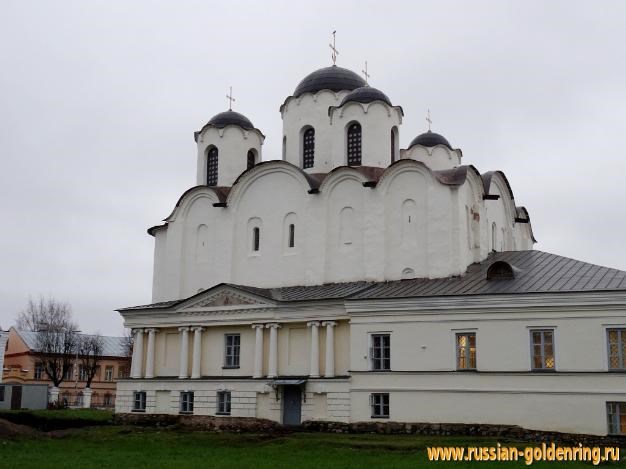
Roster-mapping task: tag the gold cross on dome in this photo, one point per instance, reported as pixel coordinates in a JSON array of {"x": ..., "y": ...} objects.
[
  {"x": 364, "y": 72},
  {"x": 429, "y": 120},
  {"x": 230, "y": 98},
  {"x": 334, "y": 49}
]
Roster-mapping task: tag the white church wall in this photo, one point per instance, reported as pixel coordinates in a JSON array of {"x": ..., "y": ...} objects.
[
  {"x": 436, "y": 158},
  {"x": 377, "y": 119},
  {"x": 4, "y": 337},
  {"x": 233, "y": 144},
  {"x": 310, "y": 110}
]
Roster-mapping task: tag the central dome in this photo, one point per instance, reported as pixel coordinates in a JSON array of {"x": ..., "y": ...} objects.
[
  {"x": 225, "y": 118},
  {"x": 329, "y": 78}
]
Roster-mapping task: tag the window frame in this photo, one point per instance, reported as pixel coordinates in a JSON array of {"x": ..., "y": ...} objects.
[
  {"x": 212, "y": 166},
  {"x": 308, "y": 147},
  {"x": 542, "y": 331},
  {"x": 621, "y": 342},
  {"x": 352, "y": 158},
  {"x": 250, "y": 159},
  {"x": 108, "y": 368},
  {"x": 381, "y": 363},
  {"x": 38, "y": 372},
  {"x": 139, "y": 401},
  {"x": 256, "y": 239},
  {"x": 380, "y": 409},
  {"x": 224, "y": 402},
  {"x": 232, "y": 352},
  {"x": 185, "y": 405},
  {"x": 613, "y": 417},
  {"x": 291, "y": 236},
  {"x": 468, "y": 351}
]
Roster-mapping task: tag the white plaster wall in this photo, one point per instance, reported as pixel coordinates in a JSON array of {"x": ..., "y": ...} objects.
[
  {"x": 376, "y": 120},
  {"x": 203, "y": 245},
  {"x": 233, "y": 144},
  {"x": 436, "y": 158},
  {"x": 310, "y": 110}
]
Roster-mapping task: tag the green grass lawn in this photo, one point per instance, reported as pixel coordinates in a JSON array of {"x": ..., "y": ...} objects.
[{"x": 120, "y": 447}]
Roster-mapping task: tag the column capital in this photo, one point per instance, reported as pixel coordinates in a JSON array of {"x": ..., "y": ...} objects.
[
  {"x": 137, "y": 330},
  {"x": 258, "y": 326},
  {"x": 151, "y": 329},
  {"x": 273, "y": 325},
  {"x": 197, "y": 328},
  {"x": 184, "y": 329},
  {"x": 313, "y": 323},
  {"x": 329, "y": 323}
]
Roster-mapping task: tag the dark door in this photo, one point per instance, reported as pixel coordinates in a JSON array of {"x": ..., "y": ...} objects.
[
  {"x": 292, "y": 396},
  {"x": 16, "y": 397}
]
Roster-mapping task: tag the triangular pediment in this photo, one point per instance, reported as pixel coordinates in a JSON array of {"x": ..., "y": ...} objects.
[{"x": 224, "y": 296}]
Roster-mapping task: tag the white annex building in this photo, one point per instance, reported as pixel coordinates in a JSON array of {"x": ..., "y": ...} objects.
[{"x": 353, "y": 280}]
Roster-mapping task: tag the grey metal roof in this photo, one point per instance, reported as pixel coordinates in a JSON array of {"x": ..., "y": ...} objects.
[
  {"x": 112, "y": 346},
  {"x": 535, "y": 272}
]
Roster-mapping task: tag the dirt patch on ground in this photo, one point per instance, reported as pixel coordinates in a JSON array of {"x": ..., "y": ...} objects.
[{"x": 9, "y": 431}]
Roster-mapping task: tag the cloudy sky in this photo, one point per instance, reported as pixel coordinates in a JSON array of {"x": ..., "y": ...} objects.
[{"x": 99, "y": 101}]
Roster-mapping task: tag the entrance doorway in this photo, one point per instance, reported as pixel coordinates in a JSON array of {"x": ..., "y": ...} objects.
[
  {"x": 16, "y": 397},
  {"x": 292, "y": 405}
]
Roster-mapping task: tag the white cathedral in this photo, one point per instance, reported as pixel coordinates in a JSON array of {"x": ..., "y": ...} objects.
[{"x": 353, "y": 281}]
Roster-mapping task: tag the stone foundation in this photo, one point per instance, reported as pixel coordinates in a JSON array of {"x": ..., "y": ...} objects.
[{"x": 255, "y": 425}]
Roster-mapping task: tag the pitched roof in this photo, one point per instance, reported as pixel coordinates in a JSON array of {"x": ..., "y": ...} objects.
[
  {"x": 535, "y": 272},
  {"x": 112, "y": 346}
]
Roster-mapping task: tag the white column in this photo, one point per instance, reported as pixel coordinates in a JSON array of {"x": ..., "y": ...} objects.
[
  {"x": 137, "y": 363},
  {"x": 184, "y": 353},
  {"x": 197, "y": 352},
  {"x": 272, "y": 371},
  {"x": 329, "y": 372},
  {"x": 150, "y": 353},
  {"x": 314, "y": 369},
  {"x": 258, "y": 351}
]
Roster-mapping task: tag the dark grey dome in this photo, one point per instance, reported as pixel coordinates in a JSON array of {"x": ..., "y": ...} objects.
[
  {"x": 225, "y": 118},
  {"x": 366, "y": 94},
  {"x": 430, "y": 139},
  {"x": 329, "y": 78}
]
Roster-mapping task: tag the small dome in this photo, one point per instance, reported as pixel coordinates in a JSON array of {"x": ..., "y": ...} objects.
[
  {"x": 223, "y": 119},
  {"x": 430, "y": 139},
  {"x": 329, "y": 78},
  {"x": 366, "y": 94}
]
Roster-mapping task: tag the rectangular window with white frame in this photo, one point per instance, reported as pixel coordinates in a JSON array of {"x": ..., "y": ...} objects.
[
  {"x": 108, "y": 373},
  {"x": 139, "y": 401},
  {"x": 380, "y": 352},
  {"x": 223, "y": 403},
  {"x": 616, "y": 341},
  {"x": 232, "y": 343},
  {"x": 379, "y": 403},
  {"x": 542, "y": 349},
  {"x": 466, "y": 351},
  {"x": 186, "y": 402},
  {"x": 616, "y": 417},
  {"x": 38, "y": 371}
]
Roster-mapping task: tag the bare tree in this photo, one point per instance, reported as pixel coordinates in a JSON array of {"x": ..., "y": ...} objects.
[
  {"x": 90, "y": 349},
  {"x": 56, "y": 342}
]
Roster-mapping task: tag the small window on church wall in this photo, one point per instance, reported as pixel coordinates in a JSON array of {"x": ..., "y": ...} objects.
[
  {"x": 292, "y": 235},
  {"x": 308, "y": 148},
  {"x": 256, "y": 238},
  {"x": 284, "y": 148},
  {"x": 211, "y": 169},
  {"x": 251, "y": 159},
  {"x": 354, "y": 144},
  {"x": 494, "y": 236},
  {"x": 393, "y": 145}
]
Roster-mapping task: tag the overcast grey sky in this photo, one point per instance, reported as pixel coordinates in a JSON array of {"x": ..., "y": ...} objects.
[{"x": 99, "y": 101}]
